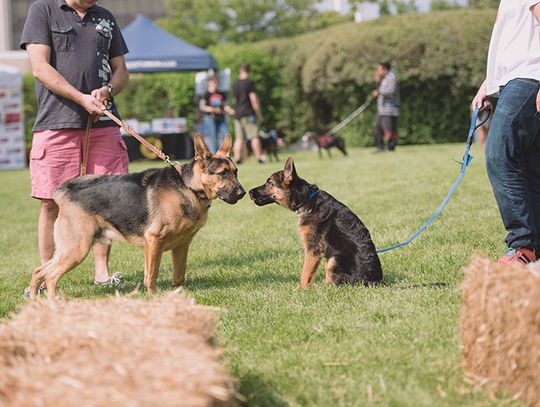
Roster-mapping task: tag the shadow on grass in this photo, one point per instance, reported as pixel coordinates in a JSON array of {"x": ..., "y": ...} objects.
[
  {"x": 258, "y": 393},
  {"x": 396, "y": 280},
  {"x": 233, "y": 278}
]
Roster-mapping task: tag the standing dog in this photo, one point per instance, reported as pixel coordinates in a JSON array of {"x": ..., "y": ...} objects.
[
  {"x": 325, "y": 141},
  {"x": 327, "y": 228},
  {"x": 157, "y": 209}
]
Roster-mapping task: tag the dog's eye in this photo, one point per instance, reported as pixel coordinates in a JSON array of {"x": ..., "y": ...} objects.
[{"x": 224, "y": 173}]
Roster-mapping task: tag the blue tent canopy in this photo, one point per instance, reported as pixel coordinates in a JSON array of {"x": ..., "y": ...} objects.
[{"x": 152, "y": 49}]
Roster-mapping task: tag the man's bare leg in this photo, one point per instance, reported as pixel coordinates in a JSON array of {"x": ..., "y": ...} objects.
[
  {"x": 48, "y": 212},
  {"x": 256, "y": 146},
  {"x": 237, "y": 148}
]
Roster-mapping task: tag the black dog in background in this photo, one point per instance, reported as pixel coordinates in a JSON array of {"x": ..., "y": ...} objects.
[
  {"x": 270, "y": 143},
  {"x": 327, "y": 228}
]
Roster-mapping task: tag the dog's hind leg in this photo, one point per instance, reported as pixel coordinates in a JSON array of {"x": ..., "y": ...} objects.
[
  {"x": 179, "y": 258},
  {"x": 73, "y": 237},
  {"x": 341, "y": 147},
  {"x": 329, "y": 270},
  {"x": 38, "y": 277},
  {"x": 153, "y": 250}
]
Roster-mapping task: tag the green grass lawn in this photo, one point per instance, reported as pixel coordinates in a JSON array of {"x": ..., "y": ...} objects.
[{"x": 395, "y": 345}]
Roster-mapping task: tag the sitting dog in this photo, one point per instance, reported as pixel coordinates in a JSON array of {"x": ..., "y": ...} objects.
[
  {"x": 325, "y": 141},
  {"x": 157, "y": 209},
  {"x": 327, "y": 228}
]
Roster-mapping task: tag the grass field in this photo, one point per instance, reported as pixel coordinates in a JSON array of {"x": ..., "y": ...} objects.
[{"x": 394, "y": 345}]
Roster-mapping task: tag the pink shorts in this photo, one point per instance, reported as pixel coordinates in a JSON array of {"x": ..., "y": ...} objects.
[{"x": 56, "y": 156}]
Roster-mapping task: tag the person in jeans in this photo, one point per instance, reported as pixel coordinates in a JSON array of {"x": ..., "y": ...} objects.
[
  {"x": 388, "y": 101},
  {"x": 513, "y": 144},
  {"x": 214, "y": 107},
  {"x": 76, "y": 51},
  {"x": 248, "y": 116}
]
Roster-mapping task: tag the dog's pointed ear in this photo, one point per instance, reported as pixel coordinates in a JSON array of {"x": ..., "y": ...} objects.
[
  {"x": 225, "y": 149},
  {"x": 289, "y": 173},
  {"x": 201, "y": 150}
]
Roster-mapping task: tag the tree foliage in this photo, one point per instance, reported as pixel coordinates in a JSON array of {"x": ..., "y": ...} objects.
[
  {"x": 312, "y": 81},
  {"x": 207, "y": 22},
  {"x": 387, "y": 7},
  {"x": 484, "y": 3},
  {"x": 439, "y": 5}
]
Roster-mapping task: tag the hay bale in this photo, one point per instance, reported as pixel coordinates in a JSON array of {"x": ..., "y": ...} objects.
[
  {"x": 500, "y": 327},
  {"x": 115, "y": 351}
]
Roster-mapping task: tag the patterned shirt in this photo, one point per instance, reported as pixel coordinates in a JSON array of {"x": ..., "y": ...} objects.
[{"x": 80, "y": 51}]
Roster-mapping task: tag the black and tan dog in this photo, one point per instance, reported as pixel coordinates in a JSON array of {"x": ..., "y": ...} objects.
[
  {"x": 327, "y": 228},
  {"x": 158, "y": 209}
]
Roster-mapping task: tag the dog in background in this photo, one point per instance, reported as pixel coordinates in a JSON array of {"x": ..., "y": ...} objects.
[
  {"x": 327, "y": 228},
  {"x": 157, "y": 209},
  {"x": 271, "y": 142},
  {"x": 325, "y": 141}
]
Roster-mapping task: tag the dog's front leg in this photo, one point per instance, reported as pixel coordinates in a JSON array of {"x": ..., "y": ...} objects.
[
  {"x": 153, "y": 250},
  {"x": 179, "y": 258},
  {"x": 311, "y": 262}
]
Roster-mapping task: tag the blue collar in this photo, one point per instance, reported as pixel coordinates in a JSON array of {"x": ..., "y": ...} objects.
[{"x": 311, "y": 195}]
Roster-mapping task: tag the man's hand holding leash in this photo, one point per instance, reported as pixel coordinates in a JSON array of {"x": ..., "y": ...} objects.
[{"x": 481, "y": 100}]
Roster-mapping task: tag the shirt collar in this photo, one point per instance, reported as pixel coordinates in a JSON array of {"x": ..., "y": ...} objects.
[{"x": 62, "y": 3}]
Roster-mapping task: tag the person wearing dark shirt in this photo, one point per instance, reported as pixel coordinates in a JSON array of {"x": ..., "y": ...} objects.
[
  {"x": 76, "y": 51},
  {"x": 215, "y": 109},
  {"x": 248, "y": 116}
]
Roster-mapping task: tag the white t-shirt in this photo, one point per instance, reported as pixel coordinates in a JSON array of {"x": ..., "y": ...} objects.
[{"x": 514, "y": 50}]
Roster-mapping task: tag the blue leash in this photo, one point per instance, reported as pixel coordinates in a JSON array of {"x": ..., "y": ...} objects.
[{"x": 467, "y": 158}]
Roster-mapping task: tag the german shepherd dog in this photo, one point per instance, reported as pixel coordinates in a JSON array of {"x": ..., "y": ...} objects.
[
  {"x": 157, "y": 209},
  {"x": 327, "y": 228},
  {"x": 325, "y": 141}
]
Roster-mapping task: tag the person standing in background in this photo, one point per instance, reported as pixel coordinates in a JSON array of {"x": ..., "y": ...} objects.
[
  {"x": 388, "y": 102},
  {"x": 248, "y": 116},
  {"x": 215, "y": 109}
]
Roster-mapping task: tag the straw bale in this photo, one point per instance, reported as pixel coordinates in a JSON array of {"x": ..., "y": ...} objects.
[
  {"x": 500, "y": 327},
  {"x": 115, "y": 351}
]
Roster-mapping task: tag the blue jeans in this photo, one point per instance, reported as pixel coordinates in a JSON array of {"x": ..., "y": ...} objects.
[
  {"x": 215, "y": 131},
  {"x": 513, "y": 162}
]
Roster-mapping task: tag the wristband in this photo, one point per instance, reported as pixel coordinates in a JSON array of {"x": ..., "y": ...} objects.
[{"x": 111, "y": 90}]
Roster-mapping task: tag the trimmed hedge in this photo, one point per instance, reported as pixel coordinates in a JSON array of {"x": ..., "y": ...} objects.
[
  {"x": 312, "y": 81},
  {"x": 440, "y": 59}
]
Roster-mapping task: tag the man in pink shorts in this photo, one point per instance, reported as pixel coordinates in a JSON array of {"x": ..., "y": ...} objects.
[{"x": 77, "y": 55}]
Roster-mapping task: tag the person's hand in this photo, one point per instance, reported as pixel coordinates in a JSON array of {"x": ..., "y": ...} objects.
[
  {"x": 538, "y": 102},
  {"x": 102, "y": 94},
  {"x": 229, "y": 110},
  {"x": 481, "y": 101},
  {"x": 375, "y": 93},
  {"x": 260, "y": 119},
  {"x": 91, "y": 104}
]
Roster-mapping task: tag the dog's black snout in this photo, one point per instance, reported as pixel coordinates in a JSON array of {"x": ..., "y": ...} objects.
[
  {"x": 240, "y": 193},
  {"x": 252, "y": 193}
]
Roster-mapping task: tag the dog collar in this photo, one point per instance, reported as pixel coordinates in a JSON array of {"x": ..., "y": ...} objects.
[{"x": 311, "y": 195}]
